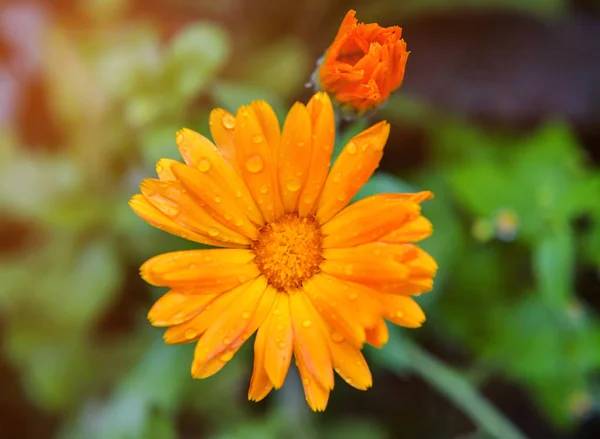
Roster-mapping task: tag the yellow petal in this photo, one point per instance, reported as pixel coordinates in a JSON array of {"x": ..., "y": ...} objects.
[
  {"x": 257, "y": 163},
  {"x": 355, "y": 165},
  {"x": 276, "y": 339},
  {"x": 375, "y": 265},
  {"x": 176, "y": 307},
  {"x": 219, "y": 177},
  {"x": 378, "y": 335},
  {"x": 146, "y": 210},
  {"x": 174, "y": 201},
  {"x": 260, "y": 314},
  {"x": 219, "y": 203},
  {"x": 412, "y": 231},
  {"x": 316, "y": 395},
  {"x": 402, "y": 310},
  {"x": 163, "y": 169},
  {"x": 208, "y": 270},
  {"x": 295, "y": 154},
  {"x": 310, "y": 343},
  {"x": 230, "y": 325},
  {"x": 350, "y": 364},
  {"x": 222, "y": 126},
  {"x": 368, "y": 220},
  {"x": 323, "y": 138}
]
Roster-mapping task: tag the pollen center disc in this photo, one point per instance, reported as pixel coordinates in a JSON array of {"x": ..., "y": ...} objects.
[{"x": 288, "y": 251}]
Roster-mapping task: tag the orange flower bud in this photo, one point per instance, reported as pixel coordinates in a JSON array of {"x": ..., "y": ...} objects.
[{"x": 364, "y": 64}]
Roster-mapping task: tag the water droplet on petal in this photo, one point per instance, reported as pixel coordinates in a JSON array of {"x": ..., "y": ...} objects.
[
  {"x": 226, "y": 340},
  {"x": 217, "y": 199},
  {"x": 179, "y": 137},
  {"x": 238, "y": 194},
  {"x": 282, "y": 345},
  {"x": 170, "y": 208},
  {"x": 203, "y": 165},
  {"x": 264, "y": 189},
  {"x": 399, "y": 314},
  {"x": 257, "y": 138},
  {"x": 228, "y": 121},
  {"x": 337, "y": 337},
  {"x": 351, "y": 148},
  {"x": 301, "y": 144},
  {"x": 353, "y": 295},
  {"x": 307, "y": 323},
  {"x": 190, "y": 333},
  {"x": 239, "y": 222},
  {"x": 246, "y": 315},
  {"x": 349, "y": 269},
  {"x": 226, "y": 356},
  {"x": 337, "y": 177},
  {"x": 306, "y": 381},
  {"x": 213, "y": 231},
  {"x": 342, "y": 196},
  {"x": 292, "y": 185},
  {"x": 159, "y": 168},
  {"x": 254, "y": 164},
  {"x": 207, "y": 259},
  {"x": 279, "y": 327}
]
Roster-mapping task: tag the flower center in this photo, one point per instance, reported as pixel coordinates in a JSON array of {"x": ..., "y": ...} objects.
[{"x": 288, "y": 251}]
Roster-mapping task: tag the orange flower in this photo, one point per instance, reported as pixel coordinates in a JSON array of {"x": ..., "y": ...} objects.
[
  {"x": 313, "y": 276},
  {"x": 364, "y": 64}
]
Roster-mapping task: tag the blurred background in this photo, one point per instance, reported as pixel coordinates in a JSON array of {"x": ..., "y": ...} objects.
[{"x": 499, "y": 116}]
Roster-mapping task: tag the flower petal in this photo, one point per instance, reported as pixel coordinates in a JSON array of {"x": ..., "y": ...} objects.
[
  {"x": 176, "y": 307},
  {"x": 350, "y": 364},
  {"x": 412, "y": 231},
  {"x": 163, "y": 169},
  {"x": 230, "y": 325},
  {"x": 219, "y": 203},
  {"x": 146, "y": 210},
  {"x": 173, "y": 200},
  {"x": 368, "y": 220},
  {"x": 217, "y": 179},
  {"x": 355, "y": 165},
  {"x": 378, "y": 335},
  {"x": 257, "y": 162},
  {"x": 276, "y": 337},
  {"x": 310, "y": 342},
  {"x": 295, "y": 153},
  {"x": 402, "y": 310},
  {"x": 208, "y": 271},
  {"x": 322, "y": 118},
  {"x": 260, "y": 314},
  {"x": 421, "y": 270},
  {"x": 316, "y": 395},
  {"x": 375, "y": 265},
  {"x": 222, "y": 125}
]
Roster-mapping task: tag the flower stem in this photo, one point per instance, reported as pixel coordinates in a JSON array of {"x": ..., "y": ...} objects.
[{"x": 404, "y": 355}]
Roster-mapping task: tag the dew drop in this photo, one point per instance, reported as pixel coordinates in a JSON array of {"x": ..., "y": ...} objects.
[
  {"x": 170, "y": 209},
  {"x": 228, "y": 217},
  {"x": 306, "y": 381},
  {"x": 279, "y": 327},
  {"x": 257, "y": 138},
  {"x": 207, "y": 259},
  {"x": 337, "y": 177},
  {"x": 238, "y": 194},
  {"x": 246, "y": 316},
  {"x": 292, "y": 185},
  {"x": 190, "y": 333},
  {"x": 353, "y": 295},
  {"x": 159, "y": 168},
  {"x": 342, "y": 196},
  {"x": 228, "y": 121},
  {"x": 203, "y": 165},
  {"x": 254, "y": 164},
  {"x": 399, "y": 314},
  {"x": 351, "y": 148},
  {"x": 337, "y": 337},
  {"x": 349, "y": 269},
  {"x": 307, "y": 323},
  {"x": 301, "y": 144},
  {"x": 264, "y": 189},
  {"x": 213, "y": 231},
  {"x": 226, "y": 356},
  {"x": 217, "y": 199},
  {"x": 239, "y": 222},
  {"x": 282, "y": 345},
  {"x": 179, "y": 137},
  {"x": 226, "y": 340}
]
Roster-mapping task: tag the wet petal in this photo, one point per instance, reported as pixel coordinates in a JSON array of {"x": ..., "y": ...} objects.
[
  {"x": 412, "y": 231},
  {"x": 276, "y": 339},
  {"x": 260, "y": 314},
  {"x": 222, "y": 127},
  {"x": 355, "y": 165},
  {"x": 402, "y": 310},
  {"x": 350, "y": 364},
  {"x": 257, "y": 163},
  {"x": 176, "y": 307},
  {"x": 322, "y": 118},
  {"x": 295, "y": 155},
  {"x": 309, "y": 340},
  {"x": 146, "y": 210},
  {"x": 368, "y": 220},
  {"x": 378, "y": 335},
  {"x": 173, "y": 200},
  {"x": 316, "y": 395},
  {"x": 208, "y": 270},
  {"x": 215, "y": 178},
  {"x": 230, "y": 325},
  {"x": 375, "y": 265},
  {"x": 163, "y": 169}
]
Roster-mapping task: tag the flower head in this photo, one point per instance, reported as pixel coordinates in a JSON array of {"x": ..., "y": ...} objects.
[
  {"x": 364, "y": 64},
  {"x": 314, "y": 277}
]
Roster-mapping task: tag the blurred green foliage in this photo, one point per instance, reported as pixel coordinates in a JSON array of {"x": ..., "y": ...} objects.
[{"x": 505, "y": 238}]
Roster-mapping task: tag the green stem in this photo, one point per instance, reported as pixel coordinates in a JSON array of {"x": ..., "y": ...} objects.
[{"x": 400, "y": 355}]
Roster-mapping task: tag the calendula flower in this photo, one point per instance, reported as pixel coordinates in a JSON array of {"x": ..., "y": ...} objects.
[
  {"x": 364, "y": 64},
  {"x": 315, "y": 277}
]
